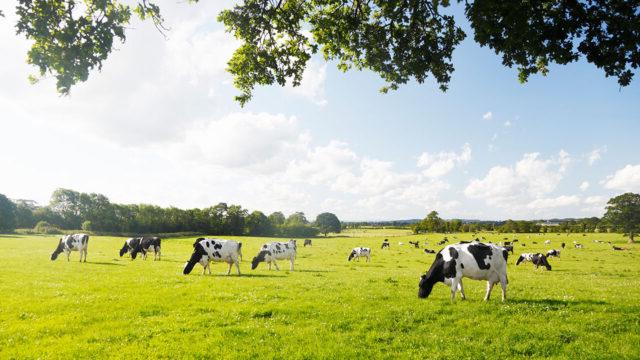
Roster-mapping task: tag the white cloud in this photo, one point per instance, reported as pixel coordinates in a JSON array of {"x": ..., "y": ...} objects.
[
  {"x": 595, "y": 155},
  {"x": 595, "y": 205},
  {"x": 584, "y": 185},
  {"x": 507, "y": 123},
  {"x": 487, "y": 116},
  {"x": 555, "y": 202},
  {"x": 440, "y": 164},
  {"x": 530, "y": 179},
  {"x": 312, "y": 86},
  {"x": 596, "y": 200},
  {"x": 625, "y": 179}
]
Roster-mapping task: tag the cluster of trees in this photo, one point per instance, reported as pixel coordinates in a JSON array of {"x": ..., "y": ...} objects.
[
  {"x": 622, "y": 215},
  {"x": 69, "y": 209}
]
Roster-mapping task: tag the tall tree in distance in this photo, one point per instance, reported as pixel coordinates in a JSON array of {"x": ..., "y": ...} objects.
[
  {"x": 328, "y": 222},
  {"x": 398, "y": 40},
  {"x": 7, "y": 214},
  {"x": 623, "y": 212}
]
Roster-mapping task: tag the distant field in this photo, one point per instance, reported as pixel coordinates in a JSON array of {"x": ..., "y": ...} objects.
[{"x": 587, "y": 307}]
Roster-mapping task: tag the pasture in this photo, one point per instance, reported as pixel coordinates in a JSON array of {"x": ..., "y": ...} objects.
[{"x": 588, "y": 306}]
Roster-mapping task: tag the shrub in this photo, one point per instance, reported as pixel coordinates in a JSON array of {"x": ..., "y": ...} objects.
[
  {"x": 43, "y": 227},
  {"x": 87, "y": 226}
]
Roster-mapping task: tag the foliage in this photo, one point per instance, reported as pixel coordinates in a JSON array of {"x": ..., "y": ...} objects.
[
  {"x": 7, "y": 214},
  {"x": 87, "y": 226},
  {"x": 398, "y": 40},
  {"x": 43, "y": 227},
  {"x": 623, "y": 212},
  {"x": 328, "y": 222},
  {"x": 586, "y": 308}
]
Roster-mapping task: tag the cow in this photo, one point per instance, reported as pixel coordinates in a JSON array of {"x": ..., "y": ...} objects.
[
  {"x": 415, "y": 244},
  {"x": 547, "y": 242},
  {"x": 142, "y": 245},
  {"x": 509, "y": 248},
  {"x": 537, "y": 259},
  {"x": 617, "y": 248},
  {"x": 69, "y": 243},
  {"x": 307, "y": 242},
  {"x": 429, "y": 251},
  {"x": 476, "y": 261},
  {"x": 553, "y": 253},
  {"x": 271, "y": 252},
  {"x": 385, "y": 244},
  {"x": 563, "y": 245},
  {"x": 578, "y": 246},
  {"x": 359, "y": 252},
  {"x": 218, "y": 250}
]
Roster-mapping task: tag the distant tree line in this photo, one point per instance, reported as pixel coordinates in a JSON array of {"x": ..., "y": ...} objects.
[{"x": 72, "y": 210}]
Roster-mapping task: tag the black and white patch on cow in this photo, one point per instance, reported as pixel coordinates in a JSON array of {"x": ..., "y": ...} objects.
[
  {"x": 129, "y": 245},
  {"x": 476, "y": 261},
  {"x": 385, "y": 244},
  {"x": 553, "y": 253},
  {"x": 217, "y": 250},
  {"x": 359, "y": 252},
  {"x": 271, "y": 252},
  {"x": 144, "y": 245},
  {"x": 69, "y": 243}
]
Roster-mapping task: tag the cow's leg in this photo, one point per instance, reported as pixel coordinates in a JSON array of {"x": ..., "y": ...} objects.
[
  {"x": 237, "y": 266},
  {"x": 454, "y": 288},
  {"x": 462, "y": 295},
  {"x": 503, "y": 284},
  {"x": 229, "y": 269},
  {"x": 489, "y": 287},
  {"x": 269, "y": 265},
  {"x": 291, "y": 263},
  {"x": 276, "y": 265}
]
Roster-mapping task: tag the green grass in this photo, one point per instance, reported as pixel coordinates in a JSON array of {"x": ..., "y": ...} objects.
[{"x": 587, "y": 307}]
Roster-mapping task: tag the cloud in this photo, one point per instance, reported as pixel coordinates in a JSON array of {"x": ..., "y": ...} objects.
[
  {"x": 555, "y": 202},
  {"x": 312, "y": 86},
  {"x": 595, "y": 155},
  {"x": 584, "y": 185},
  {"x": 507, "y": 123},
  {"x": 600, "y": 200},
  {"x": 530, "y": 179},
  {"x": 487, "y": 116},
  {"x": 625, "y": 179},
  {"x": 595, "y": 205},
  {"x": 440, "y": 164}
]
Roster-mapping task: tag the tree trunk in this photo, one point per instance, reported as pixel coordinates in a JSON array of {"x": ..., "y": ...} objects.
[{"x": 631, "y": 236}]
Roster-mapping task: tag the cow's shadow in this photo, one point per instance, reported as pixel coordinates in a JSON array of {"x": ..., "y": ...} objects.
[
  {"x": 313, "y": 271},
  {"x": 245, "y": 275},
  {"x": 103, "y": 263},
  {"x": 556, "y": 302}
]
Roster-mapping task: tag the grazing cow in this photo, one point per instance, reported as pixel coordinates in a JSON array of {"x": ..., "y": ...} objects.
[
  {"x": 385, "y": 244},
  {"x": 359, "y": 252},
  {"x": 563, "y": 245},
  {"x": 217, "y": 250},
  {"x": 506, "y": 243},
  {"x": 553, "y": 253},
  {"x": 578, "y": 246},
  {"x": 534, "y": 243},
  {"x": 142, "y": 245},
  {"x": 477, "y": 261},
  {"x": 69, "y": 243},
  {"x": 415, "y": 244},
  {"x": 537, "y": 259},
  {"x": 429, "y": 251},
  {"x": 509, "y": 248},
  {"x": 547, "y": 242},
  {"x": 619, "y": 248},
  {"x": 514, "y": 240},
  {"x": 307, "y": 242},
  {"x": 271, "y": 252}
]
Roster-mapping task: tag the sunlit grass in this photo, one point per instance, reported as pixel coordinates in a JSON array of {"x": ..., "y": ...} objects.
[{"x": 586, "y": 307}]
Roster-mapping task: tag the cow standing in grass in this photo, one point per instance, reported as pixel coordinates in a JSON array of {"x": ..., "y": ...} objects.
[
  {"x": 359, "y": 252},
  {"x": 537, "y": 259},
  {"x": 69, "y": 243},
  {"x": 477, "y": 261},
  {"x": 271, "y": 252},
  {"x": 216, "y": 250},
  {"x": 142, "y": 245}
]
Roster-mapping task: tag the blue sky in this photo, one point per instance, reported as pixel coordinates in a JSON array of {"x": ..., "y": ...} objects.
[{"x": 158, "y": 125}]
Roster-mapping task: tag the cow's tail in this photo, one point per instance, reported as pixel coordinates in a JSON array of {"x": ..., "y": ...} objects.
[{"x": 240, "y": 250}]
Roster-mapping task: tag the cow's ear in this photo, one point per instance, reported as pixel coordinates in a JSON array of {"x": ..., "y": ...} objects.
[{"x": 424, "y": 276}]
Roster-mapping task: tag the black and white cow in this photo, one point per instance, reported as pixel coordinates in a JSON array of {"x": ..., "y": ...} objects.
[
  {"x": 385, "y": 244},
  {"x": 271, "y": 252},
  {"x": 359, "y": 252},
  {"x": 509, "y": 248},
  {"x": 307, "y": 242},
  {"x": 69, "y": 243},
  {"x": 537, "y": 259},
  {"x": 476, "y": 261},
  {"x": 415, "y": 244},
  {"x": 217, "y": 250},
  {"x": 553, "y": 253},
  {"x": 144, "y": 245}
]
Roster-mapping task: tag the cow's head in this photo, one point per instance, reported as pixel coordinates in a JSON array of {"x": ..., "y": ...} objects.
[
  {"x": 352, "y": 255},
  {"x": 262, "y": 255},
  {"x": 541, "y": 260},
  {"x": 434, "y": 275},
  {"x": 198, "y": 253},
  {"x": 58, "y": 250},
  {"x": 124, "y": 249},
  {"x": 520, "y": 259}
]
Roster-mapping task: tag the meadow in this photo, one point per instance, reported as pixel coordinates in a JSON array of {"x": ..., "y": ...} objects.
[{"x": 587, "y": 307}]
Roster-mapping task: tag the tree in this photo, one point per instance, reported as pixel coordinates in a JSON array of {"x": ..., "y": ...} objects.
[
  {"x": 398, "y": 40},
  {"x": 623, "y": 212},
  {"x": 258, "y": 224},
  {"x": 276, "y": 218},
  {"x": 328, "y": 222},
  {"x": 7, "y": 214},
  {"x": 296, "y": 218}
]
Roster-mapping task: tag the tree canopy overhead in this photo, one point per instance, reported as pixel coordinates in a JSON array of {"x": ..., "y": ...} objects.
[{"x": 400, "y": 40}]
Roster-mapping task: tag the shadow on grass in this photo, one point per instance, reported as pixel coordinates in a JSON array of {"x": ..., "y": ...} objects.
[
  {"x": 103, "y": 263},
  {"x": 314, "y": 271},
  {"x": 245, "y": 275},
  {"x": 555, "y": 302}
]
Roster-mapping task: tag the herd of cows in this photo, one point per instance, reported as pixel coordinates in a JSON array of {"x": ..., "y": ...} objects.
[{"x": 465, "y": 259}]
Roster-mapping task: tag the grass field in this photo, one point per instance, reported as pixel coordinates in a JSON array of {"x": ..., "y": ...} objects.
[{"x": 588, "y": 306}]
